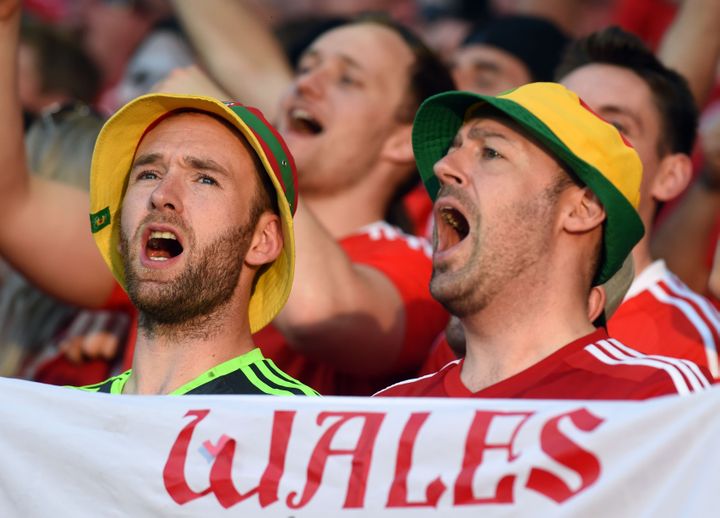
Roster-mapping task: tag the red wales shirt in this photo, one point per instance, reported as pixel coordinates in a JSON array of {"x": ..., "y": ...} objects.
[
  {"x": 661, "y": 315},
  {"x": 406, "y": 261},
  {"x": 592, "y": 367}
]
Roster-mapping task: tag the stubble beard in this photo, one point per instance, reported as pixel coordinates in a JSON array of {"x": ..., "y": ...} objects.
[
  {"x": 498, "y": 258},
  {"x": 184, "y": 307}
]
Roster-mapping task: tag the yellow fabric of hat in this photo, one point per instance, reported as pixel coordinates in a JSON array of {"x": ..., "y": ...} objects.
[{"x": 112, "y": 159}]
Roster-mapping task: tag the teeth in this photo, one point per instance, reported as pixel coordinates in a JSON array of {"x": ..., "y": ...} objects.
[
  {"x": 152, "y": 258},
  {"x": 155, "y": 234},
  {"x": 299, "y": 113},
  {"x": 450, "y": 218}
]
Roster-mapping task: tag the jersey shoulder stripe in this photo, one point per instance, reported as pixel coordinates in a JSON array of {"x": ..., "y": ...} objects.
[
  {"x": 286, "y": 380},
  {"x": 685, "y": 379},
  {"x": 689, "y": 369},
  {"x": 104, "y": 386},
  {"x": 415, "y": 380},
  {"x": 265, "y": 384},
  {"x": 698, "y": 312}
]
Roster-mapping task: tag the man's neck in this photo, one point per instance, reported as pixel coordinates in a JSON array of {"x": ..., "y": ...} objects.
[
  {"x": 641, "y": 255},
  {"x": 168, "y": 357},
  {"x": 517, "y": 331}
]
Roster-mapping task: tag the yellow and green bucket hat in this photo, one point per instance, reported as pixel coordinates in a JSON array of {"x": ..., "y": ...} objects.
[
  {"x": 590, "y": 146},
  {"x": 112, "y": 159}
]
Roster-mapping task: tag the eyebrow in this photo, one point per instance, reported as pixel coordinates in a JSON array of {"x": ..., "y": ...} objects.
[
  {"x": 314, "y": 53},
  {"x": 203, "y": 164},
  {"x": 619, "y": 110},
  {"x": 485, "y": 66},
  {"x": 149, "y": 158},
  {"x": 480, "y": 133}
]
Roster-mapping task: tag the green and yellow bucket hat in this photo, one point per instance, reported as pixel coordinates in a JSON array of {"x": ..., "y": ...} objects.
[
  {"x": 112, "y": 159},
  {"x": 590, "y": 146}
]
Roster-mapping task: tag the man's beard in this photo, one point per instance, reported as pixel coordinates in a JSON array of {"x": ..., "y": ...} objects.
[
  {"x": 185, "y": 305},
  {"x": 498, "y": 259}
]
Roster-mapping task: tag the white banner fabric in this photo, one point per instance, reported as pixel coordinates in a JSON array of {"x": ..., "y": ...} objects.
[{"x": 69, "y": 453}]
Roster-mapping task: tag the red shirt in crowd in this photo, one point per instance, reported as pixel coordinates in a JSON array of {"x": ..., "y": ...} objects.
[
  {"x": 406, "y": 261},
  {"x": 592, "y": 367},
  {"x": 661, "y": 315}
]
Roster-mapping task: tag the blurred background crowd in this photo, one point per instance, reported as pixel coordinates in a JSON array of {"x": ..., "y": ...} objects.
[{"x": 80, "y": 60}]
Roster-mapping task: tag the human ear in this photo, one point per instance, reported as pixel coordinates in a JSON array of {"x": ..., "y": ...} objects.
[
  {"x": 398, "y": 146},
  {"x": 596, "y": 302},
  {"x": 267, "y": 240},
  {"x": 585, "y": 211},
  {"x": 674, "y": 175}
]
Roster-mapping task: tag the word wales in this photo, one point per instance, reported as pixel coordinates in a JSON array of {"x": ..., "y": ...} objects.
[{"x": 310, "y": 457}]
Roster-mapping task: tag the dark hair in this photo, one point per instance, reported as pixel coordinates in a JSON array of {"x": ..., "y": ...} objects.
[
  {"x": 296, "y": 35},
  {"x": 672, "y": 96},
  {"x": 427, "y": 76},
  {"x": 537, "y": 42},
  {"x": 62, "y": 64}
]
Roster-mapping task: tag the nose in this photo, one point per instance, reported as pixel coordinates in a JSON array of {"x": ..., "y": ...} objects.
[
  {"x": 311, "y": 83},
  {"x": 167, "y": 195},
  {"x": 450, "y": 170}
]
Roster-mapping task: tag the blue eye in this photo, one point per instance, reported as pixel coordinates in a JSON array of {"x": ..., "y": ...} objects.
[
  {"x": 207, "y": 180},
  {"x": 147, "y": 175}
]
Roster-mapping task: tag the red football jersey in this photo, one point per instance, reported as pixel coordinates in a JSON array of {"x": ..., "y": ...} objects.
[
  {"x": 440, "y": 355},
  {"x": 406, "y": 261},
  {"x": 661, "y": 315},
  {"x": 592, "y": 367}
]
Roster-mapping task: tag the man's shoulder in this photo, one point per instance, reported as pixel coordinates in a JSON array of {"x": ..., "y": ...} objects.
[
  {"x": 657, "y": 289},
  {"x": 617, "y": 371},
  {"x": 250, "y": 373},
  {"x": 112, "y": 385},
  {"x": 667, "y": 317},
  {"x": 430, "y": 385}
]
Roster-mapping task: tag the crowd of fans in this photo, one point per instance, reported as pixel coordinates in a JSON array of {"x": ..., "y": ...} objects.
[{"x": 342, "y": 83}]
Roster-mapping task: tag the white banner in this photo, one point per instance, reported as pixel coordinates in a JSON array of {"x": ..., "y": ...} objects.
[{"x": 69, "y": 453}]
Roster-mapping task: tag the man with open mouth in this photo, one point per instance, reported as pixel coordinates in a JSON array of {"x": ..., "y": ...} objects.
[
  {"x": 191, "y": 208},
  {"x": 535, "y": 203},
  {"x": 360, "y": 315}
]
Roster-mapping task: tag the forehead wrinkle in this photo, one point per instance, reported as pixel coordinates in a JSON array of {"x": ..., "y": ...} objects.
[
  {"x": 146, "y": 159},
  {"x": 205, "y": 164}
]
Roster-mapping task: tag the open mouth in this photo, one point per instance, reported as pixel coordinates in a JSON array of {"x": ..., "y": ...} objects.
[
  {"x": 452, "y": 227},
  {"x": 301, "y": 121},
  {"x": 162, "y": 246}
]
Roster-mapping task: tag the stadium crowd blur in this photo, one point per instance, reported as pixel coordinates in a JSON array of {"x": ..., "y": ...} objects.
[{"x": 80, "y": 60}]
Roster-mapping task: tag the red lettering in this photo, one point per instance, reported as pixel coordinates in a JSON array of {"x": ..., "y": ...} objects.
[
  {"x": 361, "y": 455},
  {"x": 221, "y": 483},
  {"x": 174, "y": 472},
  {"x": 267, "y": 490},
  {"x": 475, "y": 446},
  {"x": 561, "y": 449},
  {"x": 398, "y": 490}
]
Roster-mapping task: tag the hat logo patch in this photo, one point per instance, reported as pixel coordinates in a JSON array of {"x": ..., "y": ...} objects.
[{"x": 100, "y": 220}]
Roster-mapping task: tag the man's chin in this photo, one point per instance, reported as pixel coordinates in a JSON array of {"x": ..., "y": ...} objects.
[{"x": 454, "y": 292}]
